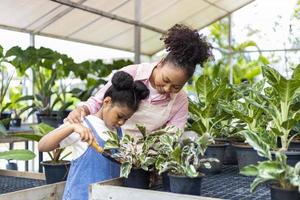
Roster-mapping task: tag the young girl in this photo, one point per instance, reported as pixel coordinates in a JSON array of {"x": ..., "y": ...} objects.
[
  {"x": 119, "y": 103},
  {"x": 167, "y": 103}
]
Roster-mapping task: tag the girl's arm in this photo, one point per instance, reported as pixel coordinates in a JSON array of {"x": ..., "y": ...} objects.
[{"x": 51, "y": 141}]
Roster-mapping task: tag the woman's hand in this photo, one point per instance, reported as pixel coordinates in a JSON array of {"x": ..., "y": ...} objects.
[
  {"x": 85, "y": 133},
  {"x": 77, "y": 115}
]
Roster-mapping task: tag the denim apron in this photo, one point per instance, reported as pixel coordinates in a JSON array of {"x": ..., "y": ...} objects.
[{"x": 90, "y": 167}]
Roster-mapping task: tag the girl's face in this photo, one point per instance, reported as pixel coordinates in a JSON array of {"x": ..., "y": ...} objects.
[
  {"x": 167, "y": 78},
  {"x": 114, "y": 115}
]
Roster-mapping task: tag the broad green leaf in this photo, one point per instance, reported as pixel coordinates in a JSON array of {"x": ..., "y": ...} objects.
[
  {"x": 191, "y": 171},
  {"x": 250, "y": 170},
  {"x": 296, "y": 73},
  {"x": 176, "y": 154},
  {"x": 270, "y": 169},
  {"x": 18, "y": 154},
  {"x": 142, "y": 129},
  {"x": 289, "y": 124},
  {"x": 125, "y": 169},
  {"x": 33, "y": 137},
  {"x": 273, "y": 77},
  {"x": 203, "y": 87},
  {"x": 198, "y": 127},
  {"x": 257, "y": 181},
  {"x": 260, "y": 146}
]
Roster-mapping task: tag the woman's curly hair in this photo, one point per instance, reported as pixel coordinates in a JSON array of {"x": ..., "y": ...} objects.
[{"x": 186, "y": 47}]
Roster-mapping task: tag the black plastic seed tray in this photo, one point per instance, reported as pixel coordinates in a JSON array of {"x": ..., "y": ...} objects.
[
  {"x": 230, "y": 185},
  {"x": 12, "y": 184}
]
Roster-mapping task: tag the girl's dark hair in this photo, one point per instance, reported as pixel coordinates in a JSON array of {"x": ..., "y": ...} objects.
[
  {"x": 125, "y": 91},
  {"x": 186, "y": 48}
]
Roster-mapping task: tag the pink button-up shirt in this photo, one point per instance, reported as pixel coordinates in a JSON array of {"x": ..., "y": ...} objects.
[{"x": 179, "y": 111}]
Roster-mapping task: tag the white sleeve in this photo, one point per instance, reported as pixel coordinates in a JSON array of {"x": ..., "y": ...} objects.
[{"x": 71, "y": 139}]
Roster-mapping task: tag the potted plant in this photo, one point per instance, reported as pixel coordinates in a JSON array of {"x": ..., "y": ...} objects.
[
  {"x": 95, "y": 74},
  {"x": 208, "y": 115},
  {"x": 16, "y": 154},
  {"x": 282, "y": 107},
  {"x": 57, "y": 168},
  {"x": 5, "y": 80},
  {"x": 284, "y": 179},
  {"x": 18, "y": 105},
  {"x": 181, "y": 159},
  {"x": 137, "y": 155},
  {"x": 47, "y": 66},
  {"x": 248, "y": 117}
]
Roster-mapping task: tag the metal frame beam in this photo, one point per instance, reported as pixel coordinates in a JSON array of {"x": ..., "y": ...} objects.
[
  {"x": 137, "y": 33},
  {"x": 108, "y": 15}
]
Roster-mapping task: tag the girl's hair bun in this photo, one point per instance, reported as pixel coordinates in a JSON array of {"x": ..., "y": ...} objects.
[
  {"x": 122, "y": 81},
  {"x": 140, "y": 90}
]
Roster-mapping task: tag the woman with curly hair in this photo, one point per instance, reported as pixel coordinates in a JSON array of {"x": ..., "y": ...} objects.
[{"x": 167, "y": 103}]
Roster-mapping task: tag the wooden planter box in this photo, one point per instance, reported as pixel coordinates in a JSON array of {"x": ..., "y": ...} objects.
[
  {"x": 106, "y": 190},
  {"x": 49, "y": 192},
  {"x": 113, "y": 190}
]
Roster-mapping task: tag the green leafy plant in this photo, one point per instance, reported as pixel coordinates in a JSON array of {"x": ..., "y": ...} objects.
[
  {"x": 276, "y": 169},
  {"x": 47, "y": 66},
  {"x": 5, "y": 80},
  {"x": 282, "y": 103},
  {"x": 95, "y": 74},
  {"x": 18, "y": 101},
  {"x": 134, "y": 153},
  {"x": 205, "y": 110},
  {"x": 245, "y": 67},
  {"x": 182, "y": 157}
]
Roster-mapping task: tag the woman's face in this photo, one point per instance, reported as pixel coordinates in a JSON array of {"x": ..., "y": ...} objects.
[
  {"x": 115, "y": 115},
  {"x": 167, "y": 78}
]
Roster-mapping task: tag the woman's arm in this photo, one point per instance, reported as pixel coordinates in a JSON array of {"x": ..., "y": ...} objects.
[{"x": 51, "y": 141}]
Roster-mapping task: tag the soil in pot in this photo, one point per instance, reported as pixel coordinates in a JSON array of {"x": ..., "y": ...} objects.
[
  {"x": 246, "y": 155},
  {"x": 138, "y": 178},
  {"x": 185, "y": 185},
  {"x": 278, "y": 193},
  {"x": 215, "y": 151},
  {"x": 56, "y": 172}
]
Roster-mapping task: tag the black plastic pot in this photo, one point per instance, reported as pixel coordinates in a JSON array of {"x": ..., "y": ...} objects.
[
  {"x": 52, "y": 120},
  {"x": 295, "y": 144},
  {"x": 185, "y": 185},
  {"x": 56, "y": 172},
  {"x": 293, "y": 156},
  {"x": 11, "y": 166},
  {"x": 138, "y": 178},
  {"x": 6, "y": 115},
  {"x": 246, "y": 155},
  {"x": 278, "y": 193},
  {"x": 165, "y": 181},
  {"x": 215, "y": 151},
  {"x": 230, "y": 157},
  {"x": 16, "y": 122}
]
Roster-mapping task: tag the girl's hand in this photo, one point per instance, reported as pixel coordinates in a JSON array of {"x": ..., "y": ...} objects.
[
  {"x": 85, "y": 133},
  {"x": 76, "y": 115}
]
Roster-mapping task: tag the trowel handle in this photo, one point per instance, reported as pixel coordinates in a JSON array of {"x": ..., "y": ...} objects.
[{"x": 97, "y": 147}]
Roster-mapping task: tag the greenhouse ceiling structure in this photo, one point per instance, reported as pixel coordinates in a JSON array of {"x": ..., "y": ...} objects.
[{"x": 116, "y": 24}]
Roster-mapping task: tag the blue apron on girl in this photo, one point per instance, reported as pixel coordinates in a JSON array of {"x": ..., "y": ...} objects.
[{"x": 91, "y": 167}]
